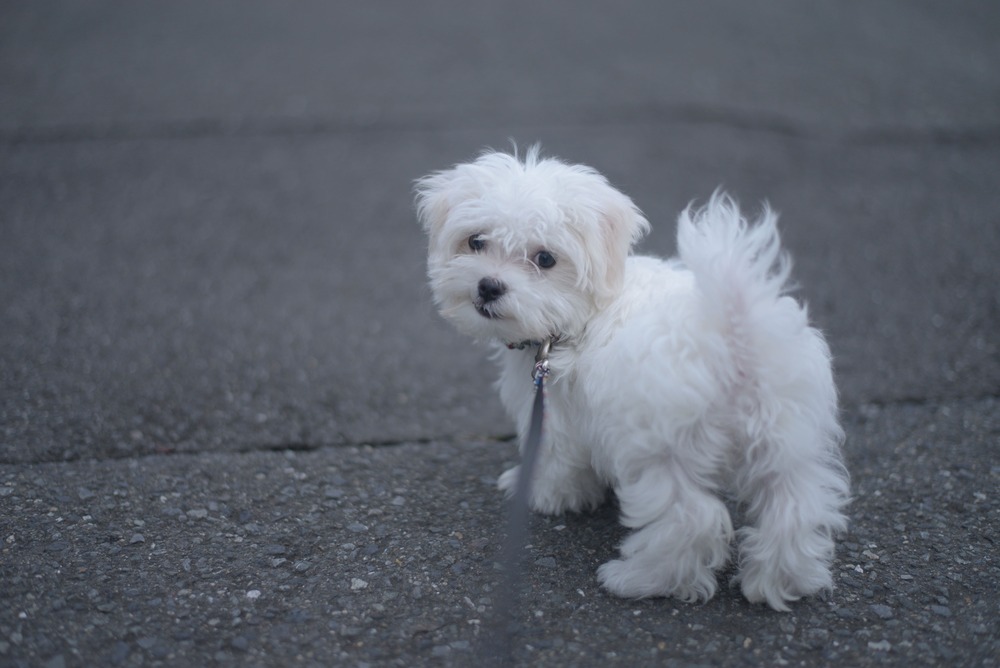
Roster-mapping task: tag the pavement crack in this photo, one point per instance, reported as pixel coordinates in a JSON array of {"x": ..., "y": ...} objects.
[
  {"x": 754, "y": 121},
  {"x": 292, "y": 446},
  {"x": 914, "y": 401},
  {"x": 305, "y": 446}
]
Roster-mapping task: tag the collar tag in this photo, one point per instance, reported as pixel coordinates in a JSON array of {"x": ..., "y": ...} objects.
[{"x": 541, "y": 368}]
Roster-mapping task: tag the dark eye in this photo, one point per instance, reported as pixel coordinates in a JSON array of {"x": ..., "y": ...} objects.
[
  {"x": 545, "y": 260},
  {"x": 477, "y": 243}
]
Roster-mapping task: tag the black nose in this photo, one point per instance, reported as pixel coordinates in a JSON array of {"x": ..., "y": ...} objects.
[{"x": 491, "y": 289}]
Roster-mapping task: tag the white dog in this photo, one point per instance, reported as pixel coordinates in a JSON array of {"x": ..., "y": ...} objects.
[{"x": 671, "y": 381}]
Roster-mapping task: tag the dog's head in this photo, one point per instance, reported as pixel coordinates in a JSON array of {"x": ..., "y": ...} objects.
[{"x": 524, "y": 250}]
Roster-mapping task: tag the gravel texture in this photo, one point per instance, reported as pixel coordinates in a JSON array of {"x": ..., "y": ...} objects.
[{"x": 254, "y": 564}]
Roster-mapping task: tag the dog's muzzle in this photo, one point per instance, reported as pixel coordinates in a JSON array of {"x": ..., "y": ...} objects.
[{"x": 489, "y": 291}]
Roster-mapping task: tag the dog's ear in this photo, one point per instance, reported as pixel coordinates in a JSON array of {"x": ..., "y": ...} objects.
[
  {"x": 622, "y": 224},
  {"x": 436, "y": 194}
]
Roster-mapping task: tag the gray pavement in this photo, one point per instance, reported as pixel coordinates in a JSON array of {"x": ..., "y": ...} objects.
[{"x": 234, "y": 432}]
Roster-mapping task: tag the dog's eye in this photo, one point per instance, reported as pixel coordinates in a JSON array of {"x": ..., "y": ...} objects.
[
  {"x": 477, "y": 243},
  {"x": 545, "y": 260}
]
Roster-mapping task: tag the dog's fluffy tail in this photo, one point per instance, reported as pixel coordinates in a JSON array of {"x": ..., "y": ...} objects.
[{"x": 742, "y": 274}]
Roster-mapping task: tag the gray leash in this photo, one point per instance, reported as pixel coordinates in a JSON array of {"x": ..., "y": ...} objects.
[{"x": 505, "y": 626}]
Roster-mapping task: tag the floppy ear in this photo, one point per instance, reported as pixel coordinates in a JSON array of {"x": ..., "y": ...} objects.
[
  {"x": 431, "y": 199},
  {"x": 621, "y": 226},
  {"x": 438, "y": 193}
]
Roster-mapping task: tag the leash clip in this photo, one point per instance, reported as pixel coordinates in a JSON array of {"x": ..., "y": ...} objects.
[{"x": 541, "y": 369}]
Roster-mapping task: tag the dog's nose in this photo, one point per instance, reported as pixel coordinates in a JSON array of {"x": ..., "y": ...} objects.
[{"x": 491, "y": 289}]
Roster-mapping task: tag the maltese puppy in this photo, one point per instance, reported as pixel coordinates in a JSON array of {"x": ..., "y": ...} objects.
[{"x": 673, "y": 382}]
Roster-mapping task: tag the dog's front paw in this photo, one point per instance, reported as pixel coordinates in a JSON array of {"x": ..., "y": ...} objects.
[
  {"x": 555, "y": 497},
  {"x": 632, "y": 578},
  {"x": 507, "y": 482},
  {"x": 628, "y": 579},
  {"x": 620, "y": 579}
]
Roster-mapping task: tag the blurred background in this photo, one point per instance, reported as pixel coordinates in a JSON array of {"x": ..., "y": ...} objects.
[{"x": 205, "y": 208}]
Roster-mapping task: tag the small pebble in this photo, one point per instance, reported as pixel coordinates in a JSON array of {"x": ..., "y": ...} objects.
[
  {"x": 817, "y": 637},
  {"x": 358, "y": 584},
  {"x": 253, "y": 594},
  {"x": 136, "y": 539},
  {"x": 882, "y": 611},
  {"x": 58, "y": 661},
  {"x": 119, "y": 653}
]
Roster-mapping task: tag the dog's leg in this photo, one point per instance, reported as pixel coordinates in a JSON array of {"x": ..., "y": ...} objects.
[
  {"x": 793, "y": 485},
  {"x": 683, "y": 537},
  {"x": 564, "y": 481}
]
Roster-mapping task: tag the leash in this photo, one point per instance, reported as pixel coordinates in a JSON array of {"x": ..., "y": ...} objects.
[{"x": 505, "y": 626}]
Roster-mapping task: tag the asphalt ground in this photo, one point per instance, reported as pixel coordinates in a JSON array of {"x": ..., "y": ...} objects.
[{"x": 233, "y": 430}]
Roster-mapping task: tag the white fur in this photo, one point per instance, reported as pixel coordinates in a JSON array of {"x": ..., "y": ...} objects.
[{"x": 672, "y": 382}]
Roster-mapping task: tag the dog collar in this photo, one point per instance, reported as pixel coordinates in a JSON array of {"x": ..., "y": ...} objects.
[
  {"x": 521, "y": 345},
  {"x": 541, "y": 368},
  {"x": 533, "y": 343}
]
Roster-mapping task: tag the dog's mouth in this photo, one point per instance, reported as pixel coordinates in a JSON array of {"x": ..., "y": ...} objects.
[{"x": 486, "y": 309}]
